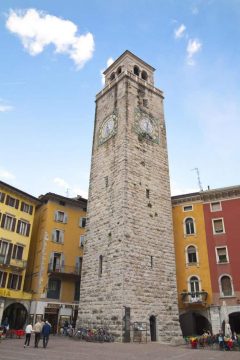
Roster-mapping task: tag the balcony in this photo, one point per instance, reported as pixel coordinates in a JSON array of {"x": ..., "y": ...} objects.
[
  {"x": 15, "y": 264},
  {"x": 194, "y": 298},
  {"x": 64, "y": 271}
]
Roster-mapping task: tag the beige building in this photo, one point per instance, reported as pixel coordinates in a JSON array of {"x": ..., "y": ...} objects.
[{"x": 54, "y": 270}]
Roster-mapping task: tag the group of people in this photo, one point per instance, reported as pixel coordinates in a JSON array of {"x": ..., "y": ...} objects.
[{"x": 41, "y": 328}]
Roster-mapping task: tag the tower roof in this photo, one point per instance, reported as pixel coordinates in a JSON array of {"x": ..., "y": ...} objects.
[{"x": 127, "y": 53}]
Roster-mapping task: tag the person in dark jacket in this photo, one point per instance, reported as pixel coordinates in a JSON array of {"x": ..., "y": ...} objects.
[{"x": 46, "y": 329}]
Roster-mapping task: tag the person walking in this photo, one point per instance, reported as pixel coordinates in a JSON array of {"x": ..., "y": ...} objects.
[
  {"x": 37, "y": 330},
  {"x": 28, "y": 332},
  {"x": 45, "y": 333}
]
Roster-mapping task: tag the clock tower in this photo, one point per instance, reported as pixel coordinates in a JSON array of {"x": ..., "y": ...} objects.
[{"x": 128, "y": 272}]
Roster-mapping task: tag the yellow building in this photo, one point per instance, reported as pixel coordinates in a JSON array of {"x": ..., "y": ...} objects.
[
  {"x": 16, "y": 219},
  {"x": 192, "y": 266},
  {"x": 54, "y": 272}
]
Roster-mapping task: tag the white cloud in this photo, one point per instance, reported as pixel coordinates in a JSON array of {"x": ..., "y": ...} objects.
[
  {"x": 109, "y": 62},
  {"x": 6, "y": 175},
  {"x": 179, "y": 32},
  {"x": 193, "y": 47},
  {"x": 61, "y": 183},
  {"x": 37, "y": 30},
  {"x": 5, "y": 108}
]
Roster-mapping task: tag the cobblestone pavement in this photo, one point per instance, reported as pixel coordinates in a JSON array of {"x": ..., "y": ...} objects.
[{"x": 62, "y": 348}]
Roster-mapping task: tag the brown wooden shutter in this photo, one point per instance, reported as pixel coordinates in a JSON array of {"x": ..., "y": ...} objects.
[
  {"x": 4, "y": 278},
  {"x": 2, "y": 197},
  {"x": 14, "y": 224},
  {"x": 9, "y": 254},
  {"x": 31, "y": 210},
  {"x": 18, "y": 226},
  {"x": 0, "y": 216},
  {"x": 16, "y": 204},
  {"x": 7, "y": 200},
  {"x": 28, "y": 229},
  {"x": 19, "y": 282},
  {"x": 3, "y": 220},
  {"x": 22, "y": 204}
]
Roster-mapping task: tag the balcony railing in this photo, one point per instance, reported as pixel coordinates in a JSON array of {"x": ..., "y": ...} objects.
[
  {"x": 64, "y": 270},
  {"x": 13, "y": 263},
  {"x": 198, "y": 297}
]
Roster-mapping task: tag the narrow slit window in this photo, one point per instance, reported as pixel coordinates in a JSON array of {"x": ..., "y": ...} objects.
[{"x": 100, "y": 265}]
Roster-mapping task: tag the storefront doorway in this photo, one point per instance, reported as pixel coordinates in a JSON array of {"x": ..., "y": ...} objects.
[{"x": 51, "y": 315}]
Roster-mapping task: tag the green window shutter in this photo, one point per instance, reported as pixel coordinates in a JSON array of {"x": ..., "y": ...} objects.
[
  {"x": 18, "y": 226},
  {"x": 31, "y": 210},
  {"x": 7, "y": 199}
]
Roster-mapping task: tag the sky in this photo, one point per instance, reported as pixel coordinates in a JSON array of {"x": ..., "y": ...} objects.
[{"x": 52, "y": 54}]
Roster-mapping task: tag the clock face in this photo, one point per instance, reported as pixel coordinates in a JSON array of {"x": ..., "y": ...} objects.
[
  {"x": 107, "y": 129},
  {"x": 146, "y": 126}
]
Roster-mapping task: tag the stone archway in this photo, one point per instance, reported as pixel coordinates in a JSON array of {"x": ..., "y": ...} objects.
[
  {"x": 16, "y": 314},
  {"x": 194, "y": 323},
  {"x": 234, "y": 321}
]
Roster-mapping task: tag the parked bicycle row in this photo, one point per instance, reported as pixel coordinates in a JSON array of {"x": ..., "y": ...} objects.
[{"x": 94, "y": 335}]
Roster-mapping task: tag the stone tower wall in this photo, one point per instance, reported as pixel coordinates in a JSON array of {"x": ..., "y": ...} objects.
[{"x": 132, "y": 232}]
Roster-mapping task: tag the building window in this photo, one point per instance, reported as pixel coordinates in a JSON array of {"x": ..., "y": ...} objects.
[
  {"x": 3, "y": 251},
  {"x": 145, "y": 102},
  {"x": 58, "y": 236},
  {"x": 82, "y": 222},
  {"x": 187, "y": 208},
  {"x": 2, "y": 197},
  {"x": 100, "y": 269},
  {"x": 14, "y": 281},
  {"x": 218, "y": 226},
  {"x": 56, "y": 262},
  {"x": 144, "y": 75},
  {"x": 17, "y": 252},
  {"x": 222, "y": 255},
  {"x": 216, "y": 206},
  {"x": 60, "y": 216},
  {"x": 3, "y": 277},
  {"x": 226, "y": 286},
  {"x": 191, "y": 255},
  {"x": 189, "y": 226},
  {"x": 79, "y": 260},
  {"x": 82, "y": 241},
  {"x": 151, "y": 261},
  {"x": 136, "y": 70},
  {"x": 77, "y": 291},
  {"x": 112, "y": 77},
  {"x": 194, "y": 284},
  {"x": 23, "y": 228},
  {"x": 53, "y": 290},
  {"x": 8, "y": 222},
  {"x": 26, "y": 208},
  {"x": 119, "y": 70},
  {"x": 10, "y": 201}
]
